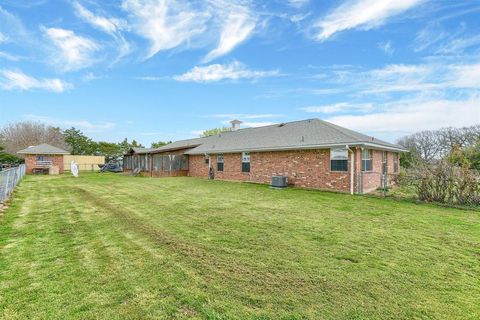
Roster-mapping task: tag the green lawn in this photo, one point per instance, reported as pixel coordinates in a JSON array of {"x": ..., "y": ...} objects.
[{"x": 114, "y": 247}]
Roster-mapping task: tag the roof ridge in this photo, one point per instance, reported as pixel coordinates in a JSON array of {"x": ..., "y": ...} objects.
[
  {"x": 337, "y": 128},
  {"x": 271, "y": 125}
]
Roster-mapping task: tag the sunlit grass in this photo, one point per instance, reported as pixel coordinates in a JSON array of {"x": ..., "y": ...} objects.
[{"x": 117, "y": 247}]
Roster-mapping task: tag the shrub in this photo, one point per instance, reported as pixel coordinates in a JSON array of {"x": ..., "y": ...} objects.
[{"x": 443, "y": 182}]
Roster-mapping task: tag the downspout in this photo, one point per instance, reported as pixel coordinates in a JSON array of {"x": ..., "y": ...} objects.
[{"x": 352, "y": 168}]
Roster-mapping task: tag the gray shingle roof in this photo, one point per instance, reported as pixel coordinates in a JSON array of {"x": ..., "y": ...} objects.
[
  {"x": 43, "y": 149},
  {"x": 305, "y": 134}
]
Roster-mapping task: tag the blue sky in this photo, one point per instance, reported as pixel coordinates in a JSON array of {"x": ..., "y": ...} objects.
[{"x": 168, "y": 69}]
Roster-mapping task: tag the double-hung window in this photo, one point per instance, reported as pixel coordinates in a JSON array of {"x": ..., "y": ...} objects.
[
  {"x": 338, "y": 160},
  {"x": 220, "y": 162},
  {"x": 245, "y": 161},
  {"x": 366, "y": 160}
]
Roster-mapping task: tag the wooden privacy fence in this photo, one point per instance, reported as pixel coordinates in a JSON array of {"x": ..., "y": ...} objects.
[{"x": 85, "y": 163}]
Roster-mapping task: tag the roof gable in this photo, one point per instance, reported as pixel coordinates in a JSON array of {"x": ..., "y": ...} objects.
[{"x": 43, "y": 148}]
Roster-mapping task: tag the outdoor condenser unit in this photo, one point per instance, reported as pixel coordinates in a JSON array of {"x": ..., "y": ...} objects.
[{"x": 279, "y": 181}]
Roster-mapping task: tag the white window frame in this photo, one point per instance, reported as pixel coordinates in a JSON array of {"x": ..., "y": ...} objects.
[
  {"x": 245, "y": 157},
  {"x": 334, "y": 155},
  {"x": 369, "y": 152}
]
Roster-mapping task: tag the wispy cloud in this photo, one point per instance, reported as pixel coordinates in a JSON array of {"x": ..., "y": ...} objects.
[
  {"x": 297, "y": 3},
  {"x": 108, "y": 25},
  {"x": 166, "y": 24},
  {"x": 409, "y": 115},
  {"x": 3, "y": 38},
  {"x": 218, "y": 72},
  {"x": 72, "y": 52},
  {"x": 238, "y": 24},
  {"x": 363, "y": 14},
  {"x": 151, "y": 78},
  {"x": 386, "y": 47},
  {"x": 415, "y": 78},
  {"x": 339, "y": 108},
  {"x": 12, "y": 27},
  {"x": 232, "y": 116},
  {"x": 17, "y": 80},
  {"x": 81, "y": 124},
  {"x": 8, "y": 56}
]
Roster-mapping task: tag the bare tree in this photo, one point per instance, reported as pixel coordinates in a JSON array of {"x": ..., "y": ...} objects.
[
  {"x": 20, "y": 135},
  {"x": 454, "y": 138},
  {"x": 424, "y": 145},
  {"x": 432, "y": 145}
]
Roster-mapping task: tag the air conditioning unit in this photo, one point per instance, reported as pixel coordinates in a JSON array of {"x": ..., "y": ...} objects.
[{"x": 279, "y": 181}]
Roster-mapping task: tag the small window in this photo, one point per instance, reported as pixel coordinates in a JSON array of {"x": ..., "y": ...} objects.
[
  {"x": 366, "y": 160},
  {"x": 220, "y": 162},
  {"x": 395, "y": 162},
  {"x": 338, "y": 160},
  {"x": 245, "y": 161}
]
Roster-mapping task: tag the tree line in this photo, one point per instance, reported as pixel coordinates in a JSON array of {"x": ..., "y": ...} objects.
[
  {"x": 460, "y": 146},
  {"x": 21, "y": 135}
]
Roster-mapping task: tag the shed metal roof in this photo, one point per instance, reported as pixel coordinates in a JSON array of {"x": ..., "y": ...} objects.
[
  {"x": 181, "y": 144},
  {"x": 43, "y": 148}
]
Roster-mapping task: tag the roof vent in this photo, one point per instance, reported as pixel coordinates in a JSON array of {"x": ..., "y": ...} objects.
[
  {"x": 303, "y": 139},
  {"x": 281, "y": 125},
  {"x": 235, "y": 124},
  {"x": 373, "y": 138}
]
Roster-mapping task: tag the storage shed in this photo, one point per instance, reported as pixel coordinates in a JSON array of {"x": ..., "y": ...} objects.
[{"x": 44, "y": 158}]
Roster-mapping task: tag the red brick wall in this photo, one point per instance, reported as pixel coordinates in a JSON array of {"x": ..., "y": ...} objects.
[
  {"x": 197, "y": 166},
  {"x": 304, "y": 168},
  {"x": 372, "y": 179},
  {"x": 31, "y": 162}
]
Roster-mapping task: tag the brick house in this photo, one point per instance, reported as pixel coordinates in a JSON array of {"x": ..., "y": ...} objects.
[
  {"x": 311, "y": 153},
  {"x": 44, "y": 158}
]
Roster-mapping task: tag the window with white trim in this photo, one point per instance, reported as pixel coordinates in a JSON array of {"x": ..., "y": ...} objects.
[
  {"x": 245, "y": 161},
  {"x": 338, "y": 160},
  {"x": 366, "y": 160},
  {"x": 220, "y": 162}
]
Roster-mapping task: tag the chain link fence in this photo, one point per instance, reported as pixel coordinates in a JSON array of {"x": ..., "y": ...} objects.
[{"x": 9, "y": 179}]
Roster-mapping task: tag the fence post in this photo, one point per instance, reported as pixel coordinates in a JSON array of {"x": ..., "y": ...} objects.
[{"x": 7, "y": 174}]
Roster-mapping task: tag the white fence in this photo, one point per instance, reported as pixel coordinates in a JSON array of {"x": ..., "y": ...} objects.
[{"x": 9, "y": 179}]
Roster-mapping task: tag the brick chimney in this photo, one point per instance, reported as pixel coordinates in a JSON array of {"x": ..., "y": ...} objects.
[{"x": 235, "y": 124}]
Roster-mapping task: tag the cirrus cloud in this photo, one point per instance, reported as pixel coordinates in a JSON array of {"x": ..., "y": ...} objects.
[
  {"x": 218, "y": 72},
  {"x": 17, "y": 80},
  {"x": 72, "y": 52},
  {"x": 364, "y": 14}
]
